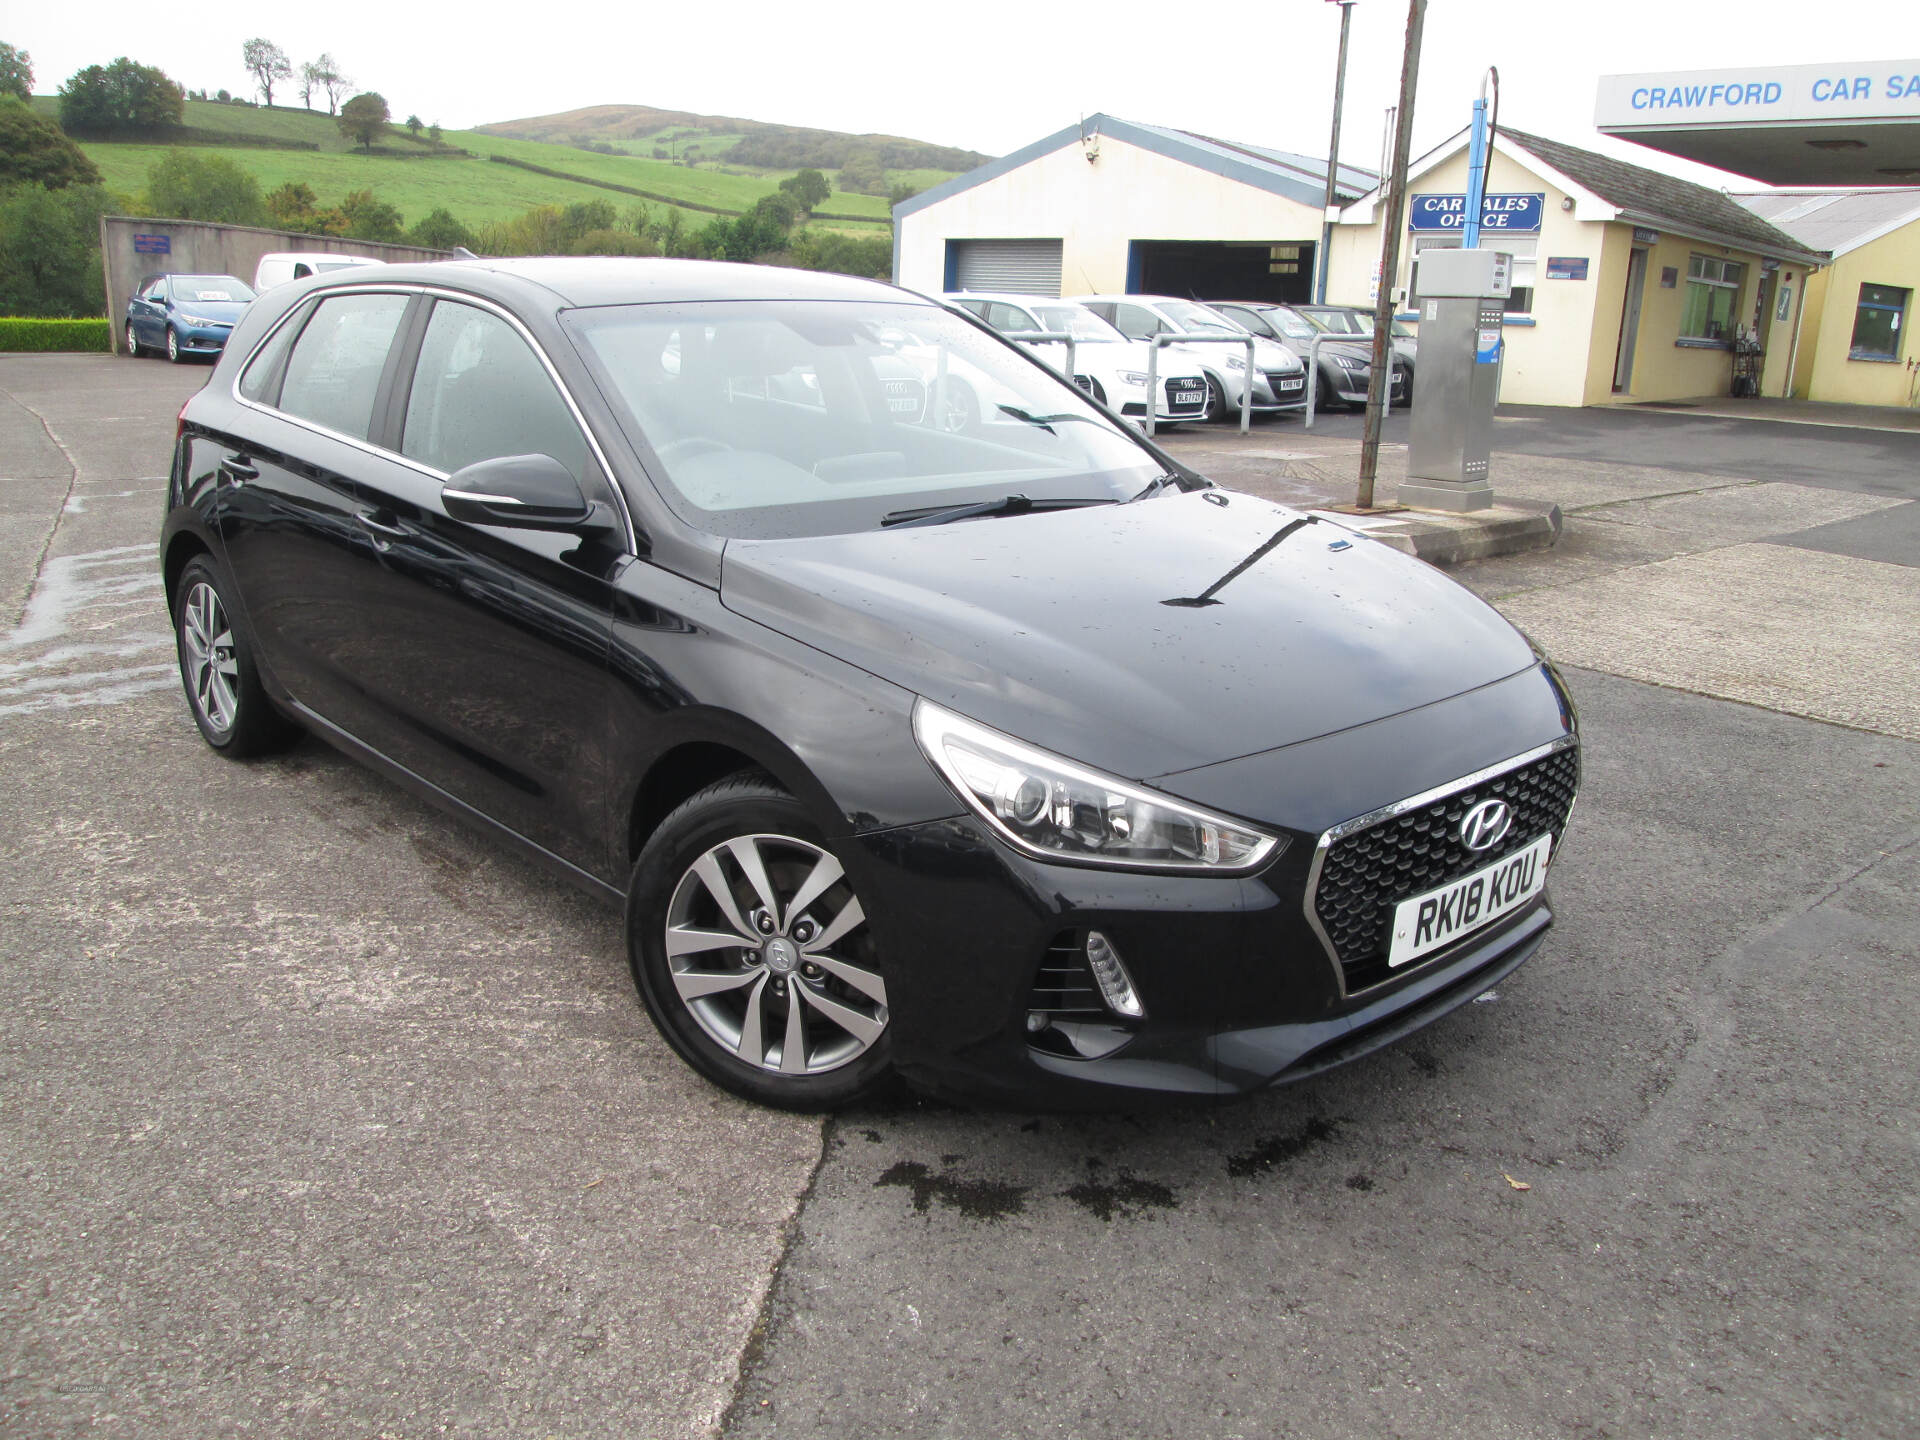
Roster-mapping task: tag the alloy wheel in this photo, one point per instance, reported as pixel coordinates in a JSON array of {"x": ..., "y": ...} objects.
[
  {"x": 133, "y": 342},
  {"x": 173, "y": 345},
  {"x": 213, "y": 668},
  {"x": 768, "y": 948}
]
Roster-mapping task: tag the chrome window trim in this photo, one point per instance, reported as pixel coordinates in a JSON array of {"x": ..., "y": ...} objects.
[
  {"x": 464, "y": 298},
  {"x": 1329, "y": 838}
]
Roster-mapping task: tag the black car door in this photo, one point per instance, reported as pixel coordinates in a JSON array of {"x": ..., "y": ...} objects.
[
  {"x": 483, "y": 649},
  {"x": 293, "y": 480}
]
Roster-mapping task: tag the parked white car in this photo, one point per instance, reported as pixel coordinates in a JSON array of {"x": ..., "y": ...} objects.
[
  {"x": 1107, "y": 365},
  {"x": 287, "y": 265},
  {"x": 1279, "y": 380}
]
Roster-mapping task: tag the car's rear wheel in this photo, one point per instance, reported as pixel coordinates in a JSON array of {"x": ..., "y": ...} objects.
[
  {"x": 222, "y": 684},
  {"x": 134, "y": 350},
  {"x": 752, "y": 951},
  {"x": 173, "y": 345}
]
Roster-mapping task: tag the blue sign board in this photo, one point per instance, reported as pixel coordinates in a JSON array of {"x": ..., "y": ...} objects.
[
  {"x": 1567, "y": 267},
  {"x": 153, "y": 244},
  {"x": 1509, "y": 213}
]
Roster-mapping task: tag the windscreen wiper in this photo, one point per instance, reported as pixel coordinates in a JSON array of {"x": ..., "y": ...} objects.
[
  {"x": 1045, "y": 422},
  {"x": 1155, "y": 486},
  {"x": 1005, "y": 505}
]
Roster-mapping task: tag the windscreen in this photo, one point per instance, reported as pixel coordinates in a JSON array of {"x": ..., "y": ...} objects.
[
  {"x": 777, "y": 418},
  {"x": 1290, "y": 323},
  {"x": 1079, "y": 322},
  {"x": 1191, "y": 317},
  {"x": 211, "y": 289}
]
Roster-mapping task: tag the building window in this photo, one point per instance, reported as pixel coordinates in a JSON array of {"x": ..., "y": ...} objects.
[
  {"x": 1877, "y": 323},
  {"x": 1524, "y": 249},
  {"x": 1713, "y": 295}
]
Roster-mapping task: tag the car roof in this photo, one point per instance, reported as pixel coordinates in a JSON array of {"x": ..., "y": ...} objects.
[
  {"x": 1010, "y": 297},
  {"x": 620, "y": 280}
]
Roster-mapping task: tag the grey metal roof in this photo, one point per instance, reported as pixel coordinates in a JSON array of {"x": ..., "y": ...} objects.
[
  {"x": 1655, "y": 199},
  {"x": 1299, "y": 178},
  {"x": 1834, "y": 220}
]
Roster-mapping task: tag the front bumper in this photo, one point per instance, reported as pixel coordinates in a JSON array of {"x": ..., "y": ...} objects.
[
  {"x": 1240, "y": 988},
  {"x": 203, "y": 339}
]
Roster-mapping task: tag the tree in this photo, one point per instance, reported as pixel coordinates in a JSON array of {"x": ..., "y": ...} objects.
[
  {"x": 440, "y": 231},
  {"x": 433, "y": 132},
  {"x": 50, "y": 250},
  {"x": 862, "y": 174},
  {"x": 364, "y": 117},
  {"x": 293, "y": 207},
  {"x": 309, "y": 81},
  {"x": 16, "y": 72},
  {"x": 266, "y": 62},
  {"x": 33, "y": 151},
  {"x": 103, "y": 99},
  {"x": 414, "y": 122},
  {"x": 370, "y": 218},
  {"x": 332, "y": 79},
  {"x": 809, "y": 187},
  {"x": 188, "y": 186}
]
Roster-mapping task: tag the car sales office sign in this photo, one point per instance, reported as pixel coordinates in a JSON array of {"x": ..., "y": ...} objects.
[{"x": 1509, "y": 214}]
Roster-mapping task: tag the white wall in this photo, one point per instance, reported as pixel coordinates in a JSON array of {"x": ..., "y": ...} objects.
[{"x": 1095, "y": 210}]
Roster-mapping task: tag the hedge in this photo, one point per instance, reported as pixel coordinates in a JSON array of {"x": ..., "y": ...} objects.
[
  {"x": 651, "y": 194},
  {"x": 20, "y": 334}
]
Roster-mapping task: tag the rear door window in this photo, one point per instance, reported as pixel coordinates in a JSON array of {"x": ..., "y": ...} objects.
[{"x": 333, "y": 374}]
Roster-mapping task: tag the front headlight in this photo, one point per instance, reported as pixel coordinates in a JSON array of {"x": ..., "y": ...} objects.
[
  {"x": 1236, "y": 362},
  {"x": 199, "y": 320},
  {"x": 1132, "y": 377},
  {"x": 1056, "y": 810},
  {"x": 1349, "y": 362}
]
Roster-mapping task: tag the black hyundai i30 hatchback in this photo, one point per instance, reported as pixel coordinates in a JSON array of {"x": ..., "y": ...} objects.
[{"x": 924, "y": 718}]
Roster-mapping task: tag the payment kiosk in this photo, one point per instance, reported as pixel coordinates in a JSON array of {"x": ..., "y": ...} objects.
[{"x": 1462, "y": 307}]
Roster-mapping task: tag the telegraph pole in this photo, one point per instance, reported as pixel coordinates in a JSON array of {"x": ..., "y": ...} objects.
[
  {"x": 1380, "y": 384},
  {"x": 1333, "y": 154}
]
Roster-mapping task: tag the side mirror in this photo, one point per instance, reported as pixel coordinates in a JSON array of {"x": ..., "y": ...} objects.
[{"x": 524, "y": 492}]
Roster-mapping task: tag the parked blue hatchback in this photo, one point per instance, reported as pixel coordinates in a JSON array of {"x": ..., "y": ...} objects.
[{"x": 185, "y": 314}]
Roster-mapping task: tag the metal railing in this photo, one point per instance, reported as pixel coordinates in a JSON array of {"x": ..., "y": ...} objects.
[
  {"x": 1161, "y": 342},
  {"x": 1050, "y": 337},
  {"x": 1313, "y": 370}
]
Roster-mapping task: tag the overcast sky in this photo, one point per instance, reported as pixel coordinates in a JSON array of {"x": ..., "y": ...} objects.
[{"x": 989, "y": 75}]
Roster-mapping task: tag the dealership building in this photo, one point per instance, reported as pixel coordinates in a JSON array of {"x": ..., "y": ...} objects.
[{"x": 1630, "y": 285}]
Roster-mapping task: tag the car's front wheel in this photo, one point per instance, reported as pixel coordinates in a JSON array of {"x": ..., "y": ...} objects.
[
  {"x": 752, "y": 951},
  {"x": 173, "y": 345},
  {"x": 1216, "y": 401},
  {"x": 133, "y": 343},
  {"x": 222, "y": 684}
]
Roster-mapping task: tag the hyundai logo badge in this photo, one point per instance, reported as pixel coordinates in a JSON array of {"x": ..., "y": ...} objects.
[{"x": 1486, "y": 825}]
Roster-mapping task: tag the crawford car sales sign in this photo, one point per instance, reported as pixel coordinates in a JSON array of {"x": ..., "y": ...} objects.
[{"x": 1511, "y": 213}]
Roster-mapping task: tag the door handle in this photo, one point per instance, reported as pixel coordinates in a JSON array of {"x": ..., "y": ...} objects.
[
  {"x": 367, "y": 521},
  {"x": 238, "y": 469}
]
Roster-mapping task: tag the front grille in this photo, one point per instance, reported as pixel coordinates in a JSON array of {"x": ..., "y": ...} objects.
[
  {"x": 1186, "y": 394},
  {"x": 1064, "y": 988},
  {"x": 1286, "y": 382},
  {"x": 1365, "y": 874}
]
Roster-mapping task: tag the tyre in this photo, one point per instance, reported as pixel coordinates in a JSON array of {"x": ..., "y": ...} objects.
[
  {"x": 223, "y": 686},
  {"x": 959, "y": 411},
  {"x": 1216, "y": 402},
  {"x": 134, "y": 350},
  {"x": 173, "y": 346},
  {"x": 753, "y": 954}
]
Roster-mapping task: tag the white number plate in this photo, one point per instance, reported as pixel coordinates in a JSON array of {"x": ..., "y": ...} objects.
[
  {"x": 1291, "y": 384},
  {"x": 1439, "y": 917}
]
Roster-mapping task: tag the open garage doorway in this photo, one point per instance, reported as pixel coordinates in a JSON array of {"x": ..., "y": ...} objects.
[{"x": 1276, "y": 270}]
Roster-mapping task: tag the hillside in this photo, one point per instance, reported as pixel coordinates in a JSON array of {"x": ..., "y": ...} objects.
[
  {"x": 641, "y": 129},
  {"x": 285, "y": 144}
]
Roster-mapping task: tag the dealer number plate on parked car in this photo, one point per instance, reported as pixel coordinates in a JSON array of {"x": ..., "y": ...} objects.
[{"x": 1426, "y": 922}]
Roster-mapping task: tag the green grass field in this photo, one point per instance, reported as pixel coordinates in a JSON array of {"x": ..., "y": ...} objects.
[{"x": 473, "y": 190}]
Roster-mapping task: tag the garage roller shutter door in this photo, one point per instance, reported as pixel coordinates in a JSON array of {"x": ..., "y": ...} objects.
[{"x": 1023, "y": 267}]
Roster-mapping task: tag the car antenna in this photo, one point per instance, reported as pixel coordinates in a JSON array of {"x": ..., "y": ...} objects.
[{"x": 461, "y": 252}]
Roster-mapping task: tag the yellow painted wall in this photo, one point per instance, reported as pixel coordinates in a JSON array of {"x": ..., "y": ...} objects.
[
  {"x": 1829, "y": 373},
  {"x": 1809, "y": 351},
  {"x": 1566, "y": 357},
  {"x": 1096, "y": 210}
]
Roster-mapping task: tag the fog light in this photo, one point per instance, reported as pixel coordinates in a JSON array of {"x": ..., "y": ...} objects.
[
  {"x": 1037, "y": 1020},
  {"x": 1116, "y": 986}
]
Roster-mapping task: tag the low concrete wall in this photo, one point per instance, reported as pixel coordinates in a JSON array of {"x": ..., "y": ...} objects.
[{"x": 196, "y": 247}]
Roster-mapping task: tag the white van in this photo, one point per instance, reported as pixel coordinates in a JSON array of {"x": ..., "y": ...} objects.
[{"x": 299, "y": 264}]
